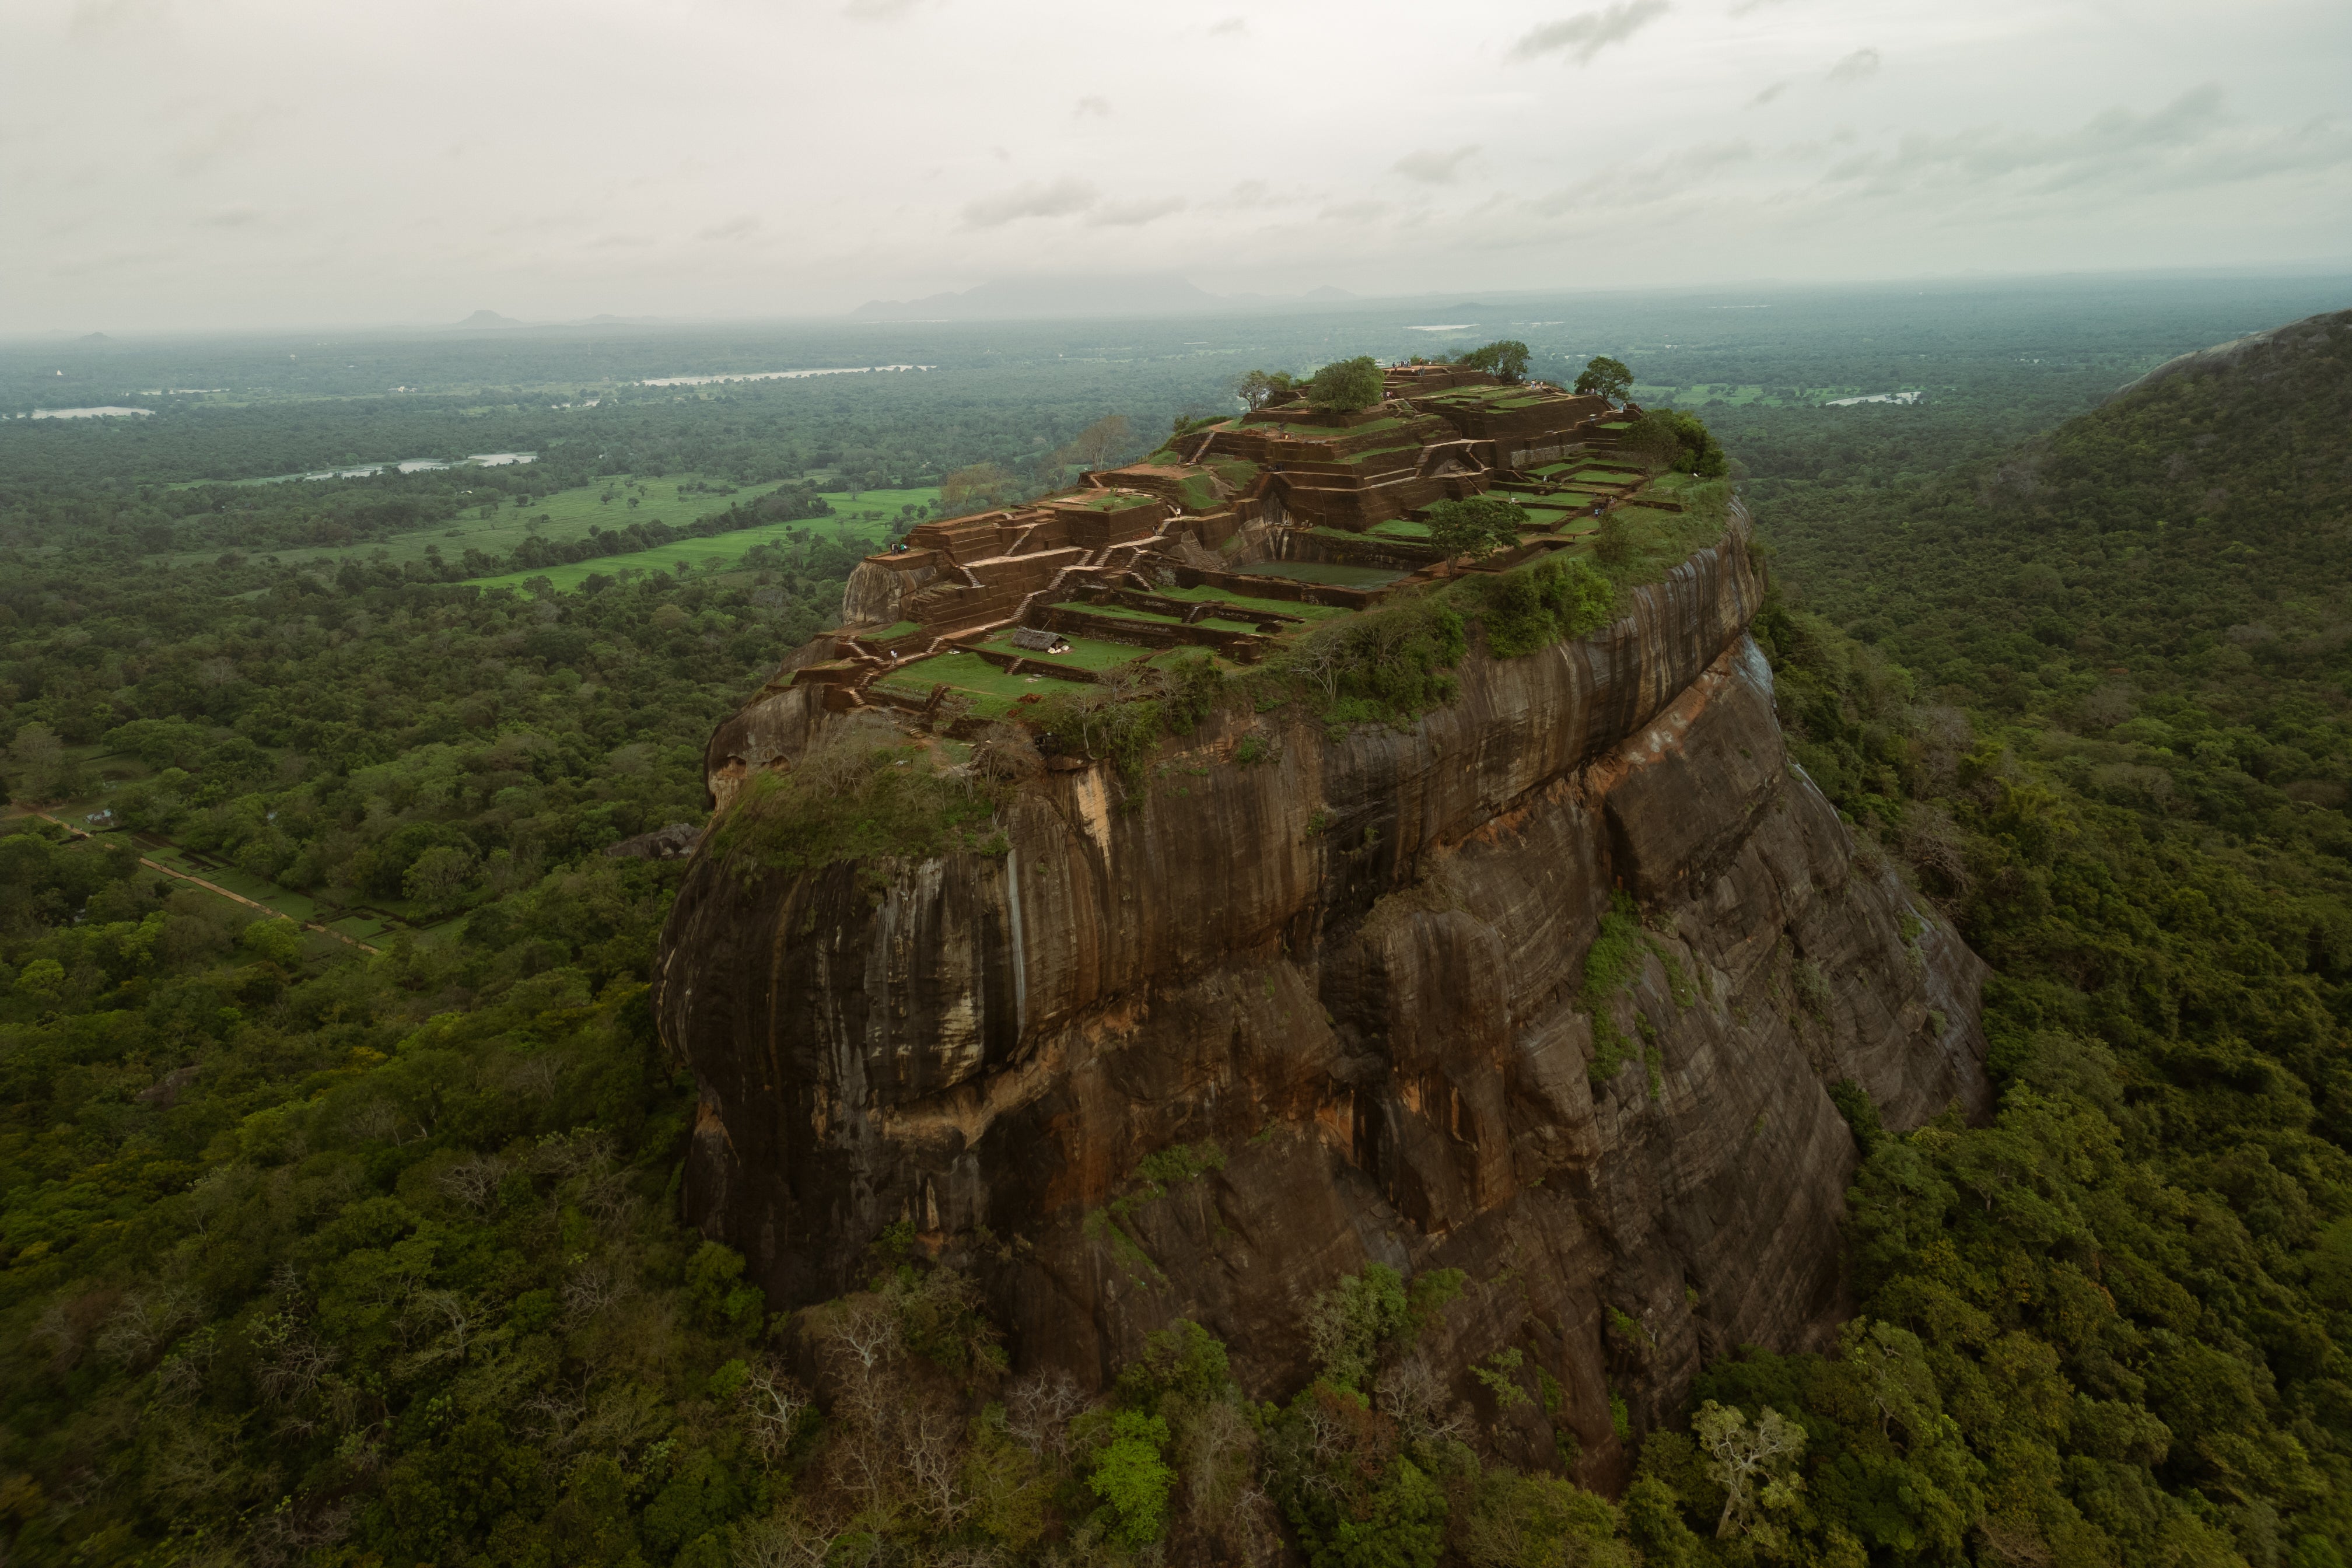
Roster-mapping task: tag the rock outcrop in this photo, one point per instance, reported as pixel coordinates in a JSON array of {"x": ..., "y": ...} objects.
[{"x": 1339, "y": 994}]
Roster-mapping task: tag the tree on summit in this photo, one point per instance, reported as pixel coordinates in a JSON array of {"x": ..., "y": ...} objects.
[
  {"x": 1258, "y": 388},
  {"x": 1505, "y": 359},
  {"x": 1610, "y": 378},
  {"x": 1345, "y": 385}
]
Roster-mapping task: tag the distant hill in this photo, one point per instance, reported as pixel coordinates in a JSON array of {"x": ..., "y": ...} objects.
[
  {"x": 1019, "y": 298},
  {"x": 2180, "y": 549},
  {"x": 481, "y": 319}
]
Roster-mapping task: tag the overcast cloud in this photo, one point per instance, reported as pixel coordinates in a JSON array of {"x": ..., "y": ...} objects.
[{"x": 235, "y": 162}]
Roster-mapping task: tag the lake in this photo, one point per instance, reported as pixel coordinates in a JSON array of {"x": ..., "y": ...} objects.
[
  {"x": 778, "y": 374},
  {"x": 405, "y": 465}
]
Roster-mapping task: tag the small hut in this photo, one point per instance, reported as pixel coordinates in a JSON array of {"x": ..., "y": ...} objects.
[{"x": 1038, "y": 639}]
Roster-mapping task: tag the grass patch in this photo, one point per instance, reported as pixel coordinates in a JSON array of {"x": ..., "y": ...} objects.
[
  {"x": 1205, "y": 593},
  {"x": 1198, "y": 493},
  {"x": 1119, "y": 612},
  {"x": 1109, "y": 501},
  {"x": 1331, "y": 573},
  {"x": 1085, "y": 653},
  {"x": 1610, "y": 966},
  {"x": 995, "y": 689},
  {"x": 1156, "y": 618},
  {"x": 1639, "y": 544}
]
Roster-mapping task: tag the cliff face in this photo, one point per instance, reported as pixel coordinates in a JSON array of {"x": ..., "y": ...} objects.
[{"x": 1357, "y": 970}]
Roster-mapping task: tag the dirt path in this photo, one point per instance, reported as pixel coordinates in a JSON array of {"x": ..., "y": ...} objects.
[{"x": 179, "y": 875}]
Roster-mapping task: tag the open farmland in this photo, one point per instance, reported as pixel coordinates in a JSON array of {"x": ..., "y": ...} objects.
[
  {"x": 866, "y": 516},
  {"x": 563, "y": 515}
]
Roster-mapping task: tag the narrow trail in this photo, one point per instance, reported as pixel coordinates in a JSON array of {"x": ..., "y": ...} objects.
[{"x": 215, "y": 888}]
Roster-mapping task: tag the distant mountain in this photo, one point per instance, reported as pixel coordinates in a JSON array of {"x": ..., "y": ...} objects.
[
  {"x": 1146, "y": 294},
  {"x": 1163, "y": 294},
  {"x": 481, "y": 319}
]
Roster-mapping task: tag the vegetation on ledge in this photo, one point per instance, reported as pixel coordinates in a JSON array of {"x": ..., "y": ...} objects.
[{"x": 862, "y": 794}]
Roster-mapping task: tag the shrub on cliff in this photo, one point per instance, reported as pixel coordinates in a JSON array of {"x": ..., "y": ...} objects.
[
  {"x": 1552, "y": 601},
  {"x": 1671, "y": 438},
  {"x": 1386, "y": 666},
  {"x": 857, "y": 797},
  {"x": 1121, "y": 718}
]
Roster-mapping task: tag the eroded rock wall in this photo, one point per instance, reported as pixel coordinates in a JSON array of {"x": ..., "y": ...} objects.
[{"x": 1356, "y": 968}]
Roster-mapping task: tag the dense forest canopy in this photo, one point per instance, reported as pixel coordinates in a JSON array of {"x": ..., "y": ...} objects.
[{"x": 309, "y": 1254}]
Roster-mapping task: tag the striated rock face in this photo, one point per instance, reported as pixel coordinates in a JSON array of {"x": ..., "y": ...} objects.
[{"x": 1357, "y": 970}]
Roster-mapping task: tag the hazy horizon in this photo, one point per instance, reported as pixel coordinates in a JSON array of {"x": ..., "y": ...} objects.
[
  {"x": 252, "y": 166},
  {"x": 1500, "y": 302}
]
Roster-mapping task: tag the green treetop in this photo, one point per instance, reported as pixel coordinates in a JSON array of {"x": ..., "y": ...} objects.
[
  {"x": 1611, "y": 378},
  {"x": 1258, "y": 388},
  {"x": 1505, "y": 358},
  {"x": 1346, "y": 385}
]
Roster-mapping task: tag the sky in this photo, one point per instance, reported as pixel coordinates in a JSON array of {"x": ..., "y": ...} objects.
[{"x": 207, "y": 164}]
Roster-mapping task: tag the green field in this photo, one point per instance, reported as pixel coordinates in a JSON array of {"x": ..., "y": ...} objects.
[
  {"x": 568, "y": 514},
  {"x": 866, "y": 516}
]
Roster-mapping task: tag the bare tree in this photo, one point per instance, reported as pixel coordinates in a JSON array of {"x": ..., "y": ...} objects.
[
  {"x": 774, "y": 1404},
  {"x": 1093, "y": 446},
  {"x": 292, "y": 1358},
  {"x": 1421, "y": 1403},
  {"x": 865, "y": 1329},
  {"x": 592, "y": 1289},
  {"x": 474, "y": 1181},
  {"x": 184, "y": 1374},
  {"x": 1039, "y": 1409},
  {"x": 932, "y": 1446},
  {"x": 462, "y": 1320},
  {"x": 535, "y": 1077},
  {"x": 290, "y": 1533},
  {"x": 611, "y": 1197},
  {"x": 1322, "y": 658},
  {"x": 145, "y": 1322},
  {"x": 790, "y": 1540},
  {"x": 559, "y": 1410},
  {"x": 1007, "y": 751}
]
